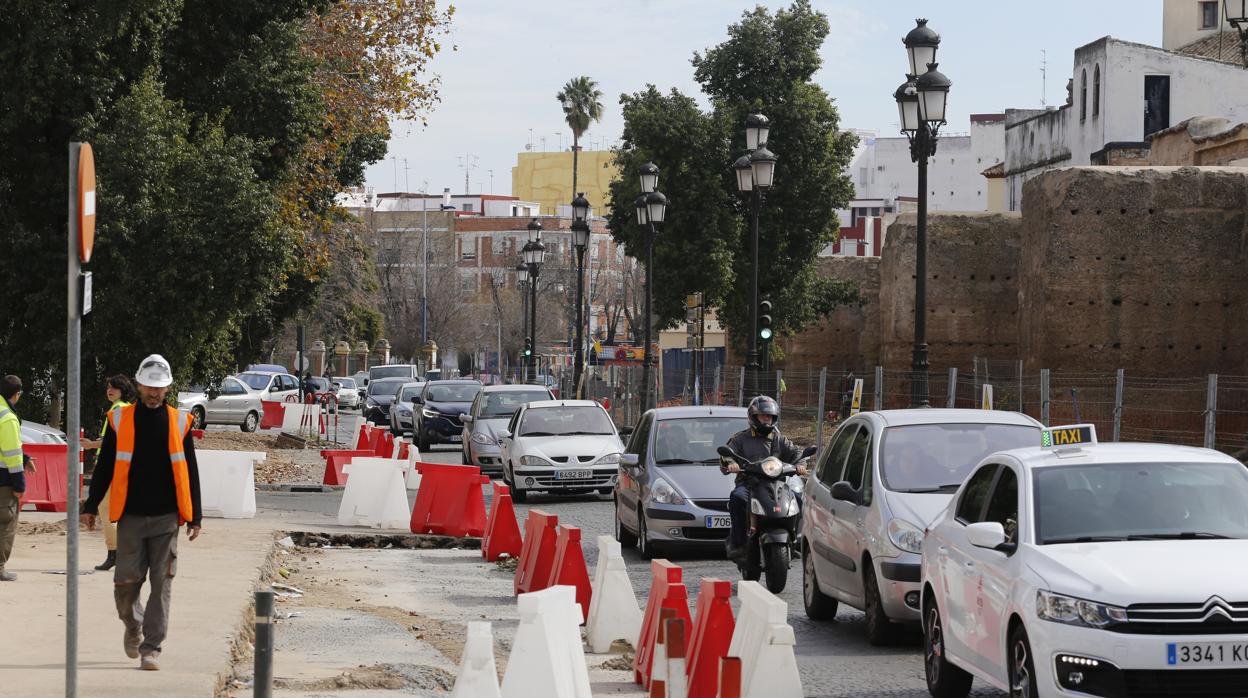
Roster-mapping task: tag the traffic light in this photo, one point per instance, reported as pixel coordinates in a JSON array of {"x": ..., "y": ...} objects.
[
  {"x": 765, "y": 332},
  {"x": 528, "y": 346}
]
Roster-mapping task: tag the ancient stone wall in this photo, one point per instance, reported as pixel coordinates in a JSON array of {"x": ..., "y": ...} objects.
[
  {"x": 972, "y": 289},
  {"x": 1135, "y": 268},
  {"x": 850, "y": 336}
]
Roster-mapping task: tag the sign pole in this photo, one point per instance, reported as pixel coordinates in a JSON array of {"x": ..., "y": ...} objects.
[{"x": 72, "y": 379}]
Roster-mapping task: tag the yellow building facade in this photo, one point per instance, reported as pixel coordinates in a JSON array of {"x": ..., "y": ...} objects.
[{"x": 546, "y": 178}]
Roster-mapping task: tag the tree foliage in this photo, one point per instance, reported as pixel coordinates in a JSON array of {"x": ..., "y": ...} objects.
[
  {"x": 766, "y": 64},
  {"x": 222, "y": 131},
  {"x": 580, "y": 99}
]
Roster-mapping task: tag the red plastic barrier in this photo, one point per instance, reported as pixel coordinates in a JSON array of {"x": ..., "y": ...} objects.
[
  {"x": 378, "y": 442},
  {"x": 537, "y": 556},
  {"x": 502, "y": 533},
  {"x": 403, "y": 452},
  {"x": 449, "y": 501},
  {"x": 274, "y": 413},
  {"x": 730, "y": 677},
  {"x": 712, "y": 633},
  {"x": 569, "y": 568},
  {"x": 363, "y": 439},
  {"x": 666, "y": 591},
  {"x": 46, "y": 487},
  {"x": 197, "y": 433},
  {"x": 667, "y": 618},
  {"x": 334, "y": 461}
]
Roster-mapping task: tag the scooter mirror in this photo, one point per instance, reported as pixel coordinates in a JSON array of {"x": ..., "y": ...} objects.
[
  {"x": 810, "y": 451},
  {"x": 725, "y": 452}
]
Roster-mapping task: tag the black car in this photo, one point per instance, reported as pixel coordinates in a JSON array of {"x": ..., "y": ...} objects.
[
  {"x": 378, "y": 398},
  {"x": 442, "y": 406}
]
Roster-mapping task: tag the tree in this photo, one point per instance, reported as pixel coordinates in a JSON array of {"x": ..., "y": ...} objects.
[
  {"x": 766, "y": 64},
  {"x": 581, "y": 106}
]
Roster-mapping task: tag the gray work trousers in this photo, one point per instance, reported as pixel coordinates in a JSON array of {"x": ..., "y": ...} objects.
[
  {"x": 147, "y": 546},
  {"x": 9, "y": 508}
]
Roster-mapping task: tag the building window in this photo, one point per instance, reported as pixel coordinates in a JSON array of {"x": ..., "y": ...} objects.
[
  {"x": 467, "y": 208},
  {"x": 1083, "y": 95},
  {"x": 467, "y": 249},
  {"x": 1209, "y": 15},
  {"x": 468, "y": 283},
  {"x": 498, "y": 245},
  {"x": 1096, "y": 91}
]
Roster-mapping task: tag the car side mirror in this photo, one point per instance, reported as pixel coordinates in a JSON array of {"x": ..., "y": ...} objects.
[
  {"x": 418, "y": 400},
  {"x": 625, "y": 431},
  {"x": 988, "y": 534},
  {"x": 275, "y": 388},
  {"x": 213, "y": 394},
  {"x": 504, "y": 435},
  {"x": 465, "y": 418},
  {"x": 845, "y": 492},
  {"x": 629, "y": 460}
]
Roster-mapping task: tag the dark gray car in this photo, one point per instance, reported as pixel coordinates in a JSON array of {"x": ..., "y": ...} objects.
[
  {"x": 488, "y": 416},
  {"x": 671, "y": 492}
]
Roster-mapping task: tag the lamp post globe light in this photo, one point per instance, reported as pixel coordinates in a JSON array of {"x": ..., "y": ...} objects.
[
  {"x": 755, "y": 172},
  {"x": 522, "y": 286},
  {"x": 921, "y": 103},
  {"x": 1235, "y": 12},
  {"x": 580, "y": 240},
  {"x": 533, "y": 253},
  {"x": 651, "y": 211}
]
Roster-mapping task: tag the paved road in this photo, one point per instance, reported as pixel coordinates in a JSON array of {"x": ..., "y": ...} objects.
[{"x": 833, "y": 657}]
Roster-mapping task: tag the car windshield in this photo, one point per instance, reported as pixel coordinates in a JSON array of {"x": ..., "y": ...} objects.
[
  {"x": 938, "y": 457},
  {"x": 345, "y": 382},
  {"x": 255, "y": 381},
  {"x": 1140, "y": 501},
  {"x": 321, "y": 384},
  {"x": 384, "y": 387},
  {"x": 410, "y": 392},
  {"x": 684, "y": 441},
  {"x": 395, "y": 371},
  {"x": 505, "y": 403},
  {"x": 566, "y": 420},
  {"x": 455, "y": 392}
]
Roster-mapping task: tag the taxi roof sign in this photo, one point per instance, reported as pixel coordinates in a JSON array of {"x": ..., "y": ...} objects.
[{"x": 1069, "y": 436}]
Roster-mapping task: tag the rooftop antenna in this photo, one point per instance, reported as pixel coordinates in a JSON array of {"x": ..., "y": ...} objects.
[
  {"x": 407, "y": 179},
  {"x": 1044, "y": 62},
  {"x": 468, "y": 162},
  {"x": 395, "y": 159},
  {"x": 491, "y": 180}
]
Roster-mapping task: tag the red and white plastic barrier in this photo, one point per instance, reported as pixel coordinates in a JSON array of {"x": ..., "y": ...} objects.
[
  {"x": 764, "y": 641},
  {"x": 449, "y": 501},
  {"x": 502, "y": 532},
  {"x": 713, "y": 626},
  {"x": 537, "y": 555},
  {"x": 667, "y": 591}
]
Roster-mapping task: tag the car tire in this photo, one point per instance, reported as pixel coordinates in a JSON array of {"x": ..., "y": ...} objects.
[
  {"x": 626, "y": 537},
  {"x": 944, "y": 680},
  {"x": 776, "y": 565},
  {"x": 819, "y": 606},
  {"x": 880, "y": 630},
  {"x": 198, "y": 419},
  {"x": 1022, "y": 669},
  {"x": 250, "y": 422},
  {"x": 422, "y": 441},
  {"x": 647, "y": 548},
  {"x": 517, "y": 495}
]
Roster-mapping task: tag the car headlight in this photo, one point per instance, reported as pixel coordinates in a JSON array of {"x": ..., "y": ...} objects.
[
  {"x": 772, "y": 467},
  {"x": 609, "y": 459},
  {"x": 1072, "y": 611},
  {"x": 905, "y": 535},
  {"x": 534, "y": 460},
  {"x": 480, "y": 438},
  {"x": 430, "y": 413},
  {"x": 403, "y": 410},
  {"x": 663, "y": 493}
]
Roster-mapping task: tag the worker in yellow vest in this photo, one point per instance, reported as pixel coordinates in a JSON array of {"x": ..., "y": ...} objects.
[
  {"x": 14, "y": 465},
  {"x": 121, "y": 393},
  {"x": 147, "y": 466}
]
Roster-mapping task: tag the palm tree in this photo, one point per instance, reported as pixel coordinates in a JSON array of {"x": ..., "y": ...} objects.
[{"x": 581, "y": 106}]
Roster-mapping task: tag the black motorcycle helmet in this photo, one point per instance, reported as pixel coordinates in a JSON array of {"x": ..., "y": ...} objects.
[{"x": 763, "y": 405}]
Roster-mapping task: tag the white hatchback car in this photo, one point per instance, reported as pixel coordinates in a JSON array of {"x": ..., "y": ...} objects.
[
  {"x": 1077, "y": 569},
  {"x": 567, "y": 446}
]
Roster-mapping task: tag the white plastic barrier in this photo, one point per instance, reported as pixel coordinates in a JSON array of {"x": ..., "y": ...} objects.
[
  {"x": 413, "y": 475},
  {"x": 374, "y": 496},
  {"x": 613, "y": 610},
  {"x": 302, "y": 418},
  {"x": 227, "y": 483},
  {"x": 764, "y": 641},
  {"x": 547, "y": 658},
  {"x": 478, "y": 674}
]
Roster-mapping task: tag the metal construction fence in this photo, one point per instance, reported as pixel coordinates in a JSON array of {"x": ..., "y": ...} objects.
[{"x": 1209, "y": 410}]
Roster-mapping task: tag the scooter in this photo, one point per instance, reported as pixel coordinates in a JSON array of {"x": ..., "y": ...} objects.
[{"x": 775, "y": 511}]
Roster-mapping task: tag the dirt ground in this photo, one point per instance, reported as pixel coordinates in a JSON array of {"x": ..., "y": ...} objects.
[{"x": 283, "y": 465}]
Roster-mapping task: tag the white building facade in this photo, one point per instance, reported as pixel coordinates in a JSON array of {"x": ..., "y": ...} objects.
[{"x": 1121, "y": 92}]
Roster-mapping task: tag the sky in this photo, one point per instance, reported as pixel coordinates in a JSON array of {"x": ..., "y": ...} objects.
[{"x": 512, "y": 57}]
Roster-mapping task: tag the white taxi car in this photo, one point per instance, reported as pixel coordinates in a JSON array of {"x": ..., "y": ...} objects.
[{"x": 1078, "y": 569}]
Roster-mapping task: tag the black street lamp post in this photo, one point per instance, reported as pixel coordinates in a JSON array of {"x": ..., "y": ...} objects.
[
  {"x": 580, "y": 239},
  {"x": 1235, "y": 12},
  {"x": 755, "y": 173},
  {"x": 522, "y": 285},
  {"x": 533, "y": 253},
  {"x": 921, "y": 105},
  {"x": 651, "y": 210}
]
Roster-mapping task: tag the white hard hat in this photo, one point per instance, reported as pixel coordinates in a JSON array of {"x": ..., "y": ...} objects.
[{"x": 154, "y": 372}]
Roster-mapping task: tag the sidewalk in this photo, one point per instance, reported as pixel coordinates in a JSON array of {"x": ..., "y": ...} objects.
[{"x": 213, "y": 590}]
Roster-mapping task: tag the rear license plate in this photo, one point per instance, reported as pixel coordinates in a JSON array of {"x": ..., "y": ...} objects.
[
  {"x": 719, "y": 522},
  {"x": 457, "y": 438},
  {"x": 573, "y": 474},
  {"x": 1190, "y": 654}
]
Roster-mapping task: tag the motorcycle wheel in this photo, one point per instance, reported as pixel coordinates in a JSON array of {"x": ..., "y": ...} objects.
[{"x": 776, "y": 560}]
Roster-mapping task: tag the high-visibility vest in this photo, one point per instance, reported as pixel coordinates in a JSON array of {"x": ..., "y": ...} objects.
[
  {"x": 115, "y": 405},
  {"x": 122, "y": 420},
  {"x": 10, "y": 439}
]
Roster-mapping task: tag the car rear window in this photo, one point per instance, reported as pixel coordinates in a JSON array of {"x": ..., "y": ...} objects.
[
  {"x": 934, "y": 457},
  {"x": 395, "y": 371}
]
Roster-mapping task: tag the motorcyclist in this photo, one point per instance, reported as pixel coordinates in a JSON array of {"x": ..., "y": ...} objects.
[{"x": 761, "y": 440}]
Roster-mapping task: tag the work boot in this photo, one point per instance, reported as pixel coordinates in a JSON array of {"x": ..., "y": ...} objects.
[
  {"x": 109, "y": 562},
  {"x": 6, "y": 576},
  {"x": 735, "y": 553},
  {"x": 131, "y": 641},
  {"x": 149, "y": 663}
]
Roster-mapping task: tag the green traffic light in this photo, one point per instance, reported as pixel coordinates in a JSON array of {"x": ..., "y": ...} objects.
[{"x": 765, "y": 333}]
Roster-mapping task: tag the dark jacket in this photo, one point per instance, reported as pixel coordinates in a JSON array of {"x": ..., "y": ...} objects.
[
  {"x": 150, "y": 490},
  {"x": 754, "y": 447}
]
